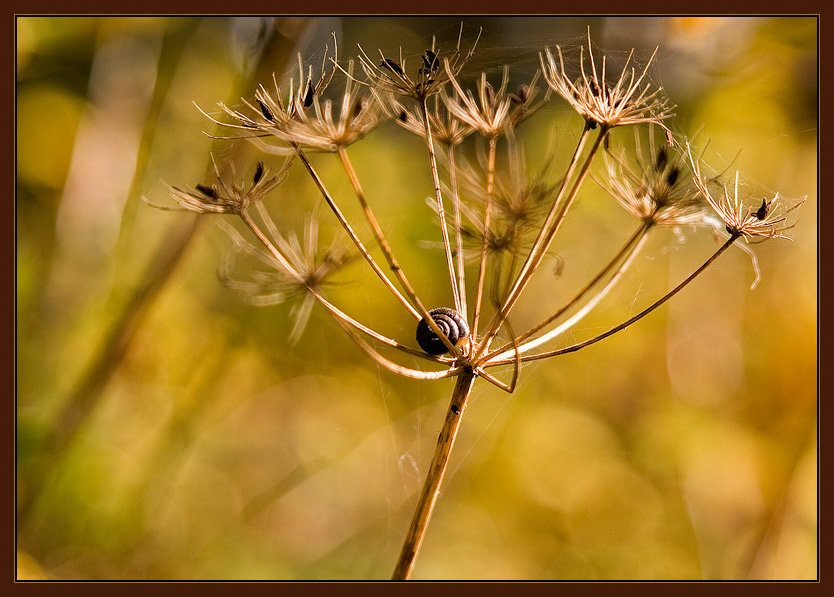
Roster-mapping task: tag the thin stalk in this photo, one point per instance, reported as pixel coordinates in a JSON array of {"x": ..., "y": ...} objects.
[
  {"x": 437, "y": 469},
  {"x": 87, "y": 392},
  {"x": 420, "y": 312},
  {"x": 579, "y": 315},
  {"x": 629, "y": 250},
  {"x": 493, "y": 142},
  {"x": 628, "y": 322},
  {"x": 348, "y": 323},
  {"x": 495, "y": 285},
  {"x": 505, "y": 287},
  {"x": 540, "y": 248},
  {"x": 392, "y": 366},
  {"x": 296, "y": 275},
  {"x": 353, "y": 236},
  {"x": 440, "y": 210},
  {"x": 514, "y": 243},
  {"x": 556, "y": 202},
  {"x": 453, "y": 182},
  {"x": 338, "y": 313}
]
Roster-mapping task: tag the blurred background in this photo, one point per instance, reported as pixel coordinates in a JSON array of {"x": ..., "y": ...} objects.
[{"x": 166, "y": 429}]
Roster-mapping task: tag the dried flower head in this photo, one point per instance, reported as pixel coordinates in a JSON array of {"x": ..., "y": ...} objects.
[
  {"x": 495, "y": 111},
  {"x": 272, "y": 113},
  {"x": 769, "y": 219},
  {"x": 222, "y": 197},
  {"x": 275, "y": 284},
  {"x": 631, "y": 100},
  {"x": 392, "y": 76},
  {"x": 506, "y": 220},
  {"x": 305, "y": 118},
  {"x": 445, "y": 127},
  {"x": 359, "y": 113},
  {"x": 659, "y": 190},
  {"x": 519, "y": 202}
]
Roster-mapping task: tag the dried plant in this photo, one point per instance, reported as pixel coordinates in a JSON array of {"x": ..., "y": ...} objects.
[
  {"x": 503, "y": 224},
  {"x": 630, "y": 100}
]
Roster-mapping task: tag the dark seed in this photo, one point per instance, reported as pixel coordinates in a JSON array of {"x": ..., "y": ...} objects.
[
  {"x": 672, "y": 177},
  {"x": 455, "y": 409},
  {"x": 660, "y": 162},
  {"x": 594, "y": 88},
  {"x": 761, "y": 213},
  {"x": 259, "y": 172},
  {"x": 308, "y": 97},
  {"x": 207, "y": 191},
  {"x": 265, "y": 110},
  {"x": 430, "y": 61},
  {"x": 392, "y": 66},
  {"x": 523, "y": 92}
]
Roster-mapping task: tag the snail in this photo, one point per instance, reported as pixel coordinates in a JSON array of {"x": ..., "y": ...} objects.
[{"x": 449, "y": 322}]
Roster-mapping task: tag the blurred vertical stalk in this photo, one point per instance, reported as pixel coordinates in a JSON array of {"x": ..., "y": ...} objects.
[{"x": 88, "y": 390}]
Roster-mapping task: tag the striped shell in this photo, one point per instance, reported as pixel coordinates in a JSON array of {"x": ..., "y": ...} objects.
[{"x": 449, "y": 322}]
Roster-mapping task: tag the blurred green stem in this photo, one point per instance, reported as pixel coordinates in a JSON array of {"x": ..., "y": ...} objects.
[
  {"x": 85, "y": 396},
  {"x": 88, "y": 390}
]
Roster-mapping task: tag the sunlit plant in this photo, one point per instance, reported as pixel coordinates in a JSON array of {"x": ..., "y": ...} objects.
[{"x": 497, "y": 221}]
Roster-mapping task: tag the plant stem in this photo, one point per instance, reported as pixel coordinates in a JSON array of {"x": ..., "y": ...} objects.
[
  {"x": 352, "y": 234},
  {"x": 440, "y": 211},
  {"x": 549, "y": 230},
  {"x": 628, "y": 252},
  {"x": 87, "y": 392},
  {"x": 437, "y": 469},
  {"x": 490, "y": 182},
  {"x": 505, "y": 287},
  {"x": 628, "y": 322},
  {"x": 453, "y": 182},
  {"x": 420, "y": 312}
]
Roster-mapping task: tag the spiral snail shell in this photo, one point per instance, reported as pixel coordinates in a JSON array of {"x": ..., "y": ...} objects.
[{"x": 449, "y": 322}]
